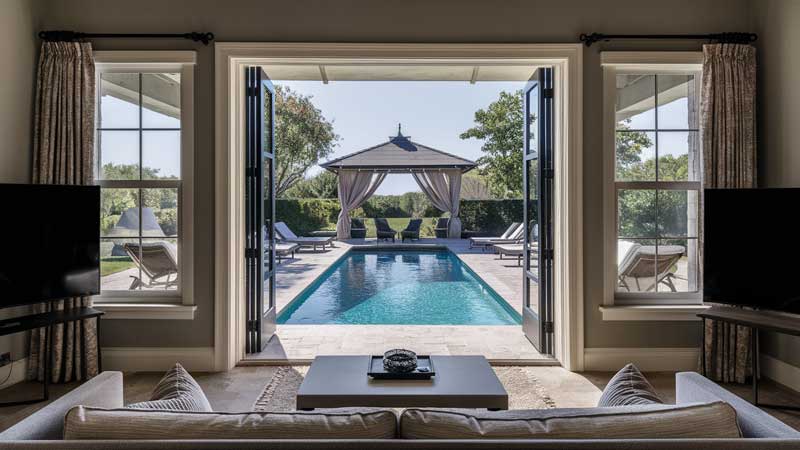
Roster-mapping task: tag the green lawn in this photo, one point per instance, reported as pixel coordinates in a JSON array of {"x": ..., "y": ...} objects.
[{"x": 114, "y": 264}]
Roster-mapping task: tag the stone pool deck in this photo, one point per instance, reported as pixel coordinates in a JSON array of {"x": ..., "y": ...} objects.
[{"x": 301, "y": 343}]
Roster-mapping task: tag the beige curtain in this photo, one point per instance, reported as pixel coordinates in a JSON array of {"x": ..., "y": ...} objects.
[
  {"x": 354, "y": 189},
  {"x": 443, "y": 188},
  {"x": 728, "y": 129},
  {"x": 63, "y": 148}
]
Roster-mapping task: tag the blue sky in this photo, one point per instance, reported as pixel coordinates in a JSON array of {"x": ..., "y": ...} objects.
[{"x": 432, "y": 113}]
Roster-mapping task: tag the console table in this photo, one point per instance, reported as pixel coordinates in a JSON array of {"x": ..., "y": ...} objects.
[
  {"x": 47, "y": 320},
  {"x": 756, "y": 321}
]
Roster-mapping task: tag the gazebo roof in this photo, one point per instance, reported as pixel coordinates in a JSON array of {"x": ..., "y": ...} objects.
[{"x": 399, "y": 154}]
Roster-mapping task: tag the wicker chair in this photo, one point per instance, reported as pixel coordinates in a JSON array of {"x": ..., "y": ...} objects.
[
  {"x": 441, "y": 227},
  {"x": 357, "y": 229},
  {"x": 412, "y": 230},
  {"x": 383, "y": 230}
]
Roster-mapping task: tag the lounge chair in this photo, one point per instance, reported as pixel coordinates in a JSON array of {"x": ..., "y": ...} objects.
[
  {"x": 512, "y": 235},
  {"x": 517, "y": 249},
  {"x": 383, "y": 230},
  {"x": 284, "y": 249},
  {"x": 358, "y": 230},
  {"x": 637, "y": 262},
  {"x": 158, "y": 260},
  {"x": 441, "y": 227},
  {"x": 286, "y": 235},
  {"x": 412, "y": 230}
]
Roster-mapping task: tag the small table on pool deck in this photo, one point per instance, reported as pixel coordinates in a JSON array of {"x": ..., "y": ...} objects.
[{"x": 460, "y": 382}]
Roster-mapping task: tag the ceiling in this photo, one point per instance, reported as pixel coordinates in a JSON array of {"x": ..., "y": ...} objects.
[{"x": 398, "y": 72}]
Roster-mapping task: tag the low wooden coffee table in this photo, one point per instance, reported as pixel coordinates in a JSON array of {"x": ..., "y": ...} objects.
[{"x": 460, "y": 382}]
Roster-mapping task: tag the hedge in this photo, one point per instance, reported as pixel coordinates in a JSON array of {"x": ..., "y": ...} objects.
[{"x": 486, "y": 217}]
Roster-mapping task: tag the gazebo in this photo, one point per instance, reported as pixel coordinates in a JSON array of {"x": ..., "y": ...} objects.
[{"x": 438, "y": 174}]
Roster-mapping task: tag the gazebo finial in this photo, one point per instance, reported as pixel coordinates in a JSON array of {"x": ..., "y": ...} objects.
[{"x": 399, "y": 133}]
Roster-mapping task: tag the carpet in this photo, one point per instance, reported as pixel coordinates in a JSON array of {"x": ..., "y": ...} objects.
[{"x": 524, "y": 389}]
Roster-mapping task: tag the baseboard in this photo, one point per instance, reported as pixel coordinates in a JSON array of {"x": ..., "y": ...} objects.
[
  {"x": 157, "y": 359},
  {"x": 646, "y": 359},
  {"x": 19, "y": 372},
  {"x": 782, "y": 372}
]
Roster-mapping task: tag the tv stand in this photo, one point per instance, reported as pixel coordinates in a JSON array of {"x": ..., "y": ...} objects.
[
  {"x": 756, "y": 321},
  {"x": 47, "y": 320}
]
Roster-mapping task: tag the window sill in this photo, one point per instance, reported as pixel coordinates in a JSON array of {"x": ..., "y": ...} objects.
[
  {"x": 146, "y": 311},
  {"x": 652, "y": 312}
]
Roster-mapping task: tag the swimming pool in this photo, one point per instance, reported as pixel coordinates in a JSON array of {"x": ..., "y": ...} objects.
[{"x": 399, "y": 287}]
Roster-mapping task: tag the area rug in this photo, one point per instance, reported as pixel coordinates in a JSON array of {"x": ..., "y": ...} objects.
[{"x": 524, "y": 389}]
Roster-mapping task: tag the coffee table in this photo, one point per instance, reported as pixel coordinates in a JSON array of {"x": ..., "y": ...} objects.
[{"x": 460, "y": 382}]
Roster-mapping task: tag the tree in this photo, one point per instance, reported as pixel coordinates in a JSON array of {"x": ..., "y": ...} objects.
[
  {"x": 323, "y": 185},
  {"x": 303, "y": 136},
  {"x": 500, "y": 125},
  {"x": 474, "y": 186}
]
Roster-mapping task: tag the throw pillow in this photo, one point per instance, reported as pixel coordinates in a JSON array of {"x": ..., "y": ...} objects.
[
  {"x": 177, "y": 391},
  {"x": 629, "y": 387}
]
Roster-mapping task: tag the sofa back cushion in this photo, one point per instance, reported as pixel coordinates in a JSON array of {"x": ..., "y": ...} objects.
[
  {"x": 709, "y": 420},
  {"x": 130, "y": 424}
]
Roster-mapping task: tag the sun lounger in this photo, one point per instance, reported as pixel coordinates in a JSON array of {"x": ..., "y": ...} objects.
[
  {"x": 284, "y": 249},
  {"x": 383, "y": 230},
  {"x": 512, "y": 235},
  {"x": 515, "y": 250},
  {"x": 639, "y": 263},
  {"x": 411, "y": 231},
  {"x": 157, "y": 260},
  {"x": 286, "y": 235}
]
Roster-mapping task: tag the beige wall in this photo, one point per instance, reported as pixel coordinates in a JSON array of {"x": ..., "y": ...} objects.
[
  {"x": 466, "y": 21},
  {"x": 778, "y": 24},
  {"x": 18, "y": 49}
]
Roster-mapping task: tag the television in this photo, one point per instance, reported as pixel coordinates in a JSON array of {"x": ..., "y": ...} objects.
[
  {"x": 49, "y": 243},
  {"x": 752, "y": 248}
]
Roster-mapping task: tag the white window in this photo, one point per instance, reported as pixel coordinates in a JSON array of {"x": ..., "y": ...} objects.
[
  {"x": 653, "y": 170},
  {"x": 144, "y": 164}
]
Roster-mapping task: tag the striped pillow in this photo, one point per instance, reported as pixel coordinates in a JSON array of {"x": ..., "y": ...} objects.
[
  {"x": 177, "y": 391},
  {"x": 629, "y": 387}
]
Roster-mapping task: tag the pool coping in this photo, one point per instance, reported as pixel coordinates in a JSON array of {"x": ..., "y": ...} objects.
[{"x": 397, "y": 247}]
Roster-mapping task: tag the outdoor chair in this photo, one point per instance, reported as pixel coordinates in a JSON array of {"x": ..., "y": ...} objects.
[
  {"x": 358, "y": 230},
  {"x": 157, "y": 260},
  {"x": 284, "y": 249},
  {"x": 412, "y": 230},
  {"x": 440, "y": 230},
  {"x": 637, "y": 263},
  {"x": 383, "y": 230},
  {"x": 285, "y": 234},
  {"x": 515, "y": 250},
  {"x": 512, "y": 235}
]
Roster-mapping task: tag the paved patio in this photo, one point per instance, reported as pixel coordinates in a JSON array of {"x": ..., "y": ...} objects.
[{"x": 301, "y": 343}]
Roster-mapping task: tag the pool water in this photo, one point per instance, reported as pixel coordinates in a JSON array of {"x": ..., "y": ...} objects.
[{"x": 399, "y": 288}]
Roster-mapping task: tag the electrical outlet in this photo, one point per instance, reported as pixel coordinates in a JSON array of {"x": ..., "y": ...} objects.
[{"x": 5, "y": 359}]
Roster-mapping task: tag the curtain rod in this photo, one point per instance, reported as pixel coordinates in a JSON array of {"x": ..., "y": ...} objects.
[
  {"x": 68, "y": 36},
  {"x": 725, "y": 38}
]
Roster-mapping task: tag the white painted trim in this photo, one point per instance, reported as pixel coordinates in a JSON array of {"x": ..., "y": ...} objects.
[
  {"x": 230, "y": 58},
  {"x": 157, "y": 359},
  {"x": 146, "y": 311},
  {"x": 653, "y": 312},
  {"x": 137, "y": 58},
  {"x": 19, "y": 372},
  {"x": 653, "y": 60},
  {"x": 777, "y": 370},
  {"x": 646, "y": 359}
]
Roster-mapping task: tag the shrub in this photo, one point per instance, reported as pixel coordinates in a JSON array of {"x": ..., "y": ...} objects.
[
  {"x": 168, "y": 220},
  {"x": 490, "y": 217}
]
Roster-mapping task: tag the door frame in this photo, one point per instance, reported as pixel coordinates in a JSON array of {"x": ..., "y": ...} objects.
[{"x": 231, "y": 57}]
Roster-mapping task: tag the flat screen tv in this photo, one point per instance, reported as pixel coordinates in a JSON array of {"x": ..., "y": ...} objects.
[
  {"x": 751, "y": 253},
  {"x": 49, "y": 243}
]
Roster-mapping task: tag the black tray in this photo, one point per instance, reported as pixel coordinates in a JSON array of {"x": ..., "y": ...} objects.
[{"x": 376, "y": 370}]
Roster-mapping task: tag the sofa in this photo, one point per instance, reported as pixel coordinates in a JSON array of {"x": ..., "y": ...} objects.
[{"x": 45, "y": 428}]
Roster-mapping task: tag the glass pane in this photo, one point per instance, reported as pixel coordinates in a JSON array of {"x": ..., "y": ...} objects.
[
  {"x": 267, "y": 120},
  {"x": 269, "y": 298},
  {"x": 677, "y": 102},
  {"x": 161, "y": 155},
  {"x": 533, "y": 291},
  {"x": 637, "y": 213},
  {"x": 532, "y": 166},
  {"x": 160, "y": 212},
  {"x": 118, "y": 271},
  {"x": 636, "y": 102},
  {"x": 677, "y": 213},
  {"x": 161, "y": 100},
  {"x": 677, "y": 271},
  {"x": 159, "y": 264},
  {"x": 119, "y": 100},
  {"x": 635, "y": 156},
  {"x": 533, "y": 124},
  {"x": 118, "y": 153},
  {"x": 119, "y": 212},
  {"x": 636, "y": 270},
  {"x": 678, "y": 156}
]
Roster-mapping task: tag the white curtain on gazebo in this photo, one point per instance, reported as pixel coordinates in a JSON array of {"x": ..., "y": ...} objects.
[
  {"x": 354, "y": 189},
  {"x": 443, "y": 188}
]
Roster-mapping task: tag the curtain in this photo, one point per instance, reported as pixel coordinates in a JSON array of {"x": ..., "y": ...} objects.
[
  {"x": 728, "y": 130},
  {"x": 354, "y": 189},
  {"x": 63, "y": 153},
  {"x": 443, "y": 188}
]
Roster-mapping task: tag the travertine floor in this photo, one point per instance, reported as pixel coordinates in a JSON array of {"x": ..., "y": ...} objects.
[{"x": 301, "y": 343}]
